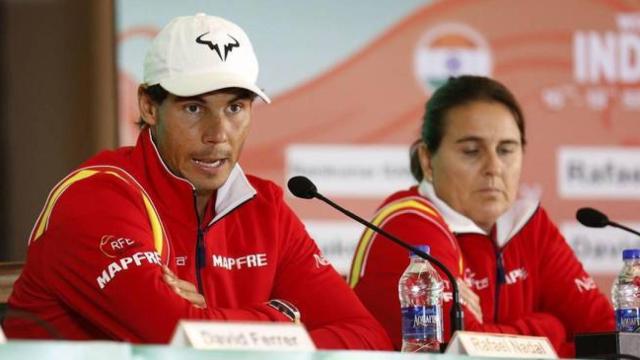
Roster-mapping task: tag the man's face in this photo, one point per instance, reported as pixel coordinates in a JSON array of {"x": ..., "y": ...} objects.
[
  {"x": 476, "y": 169},
  {"x": 200, "y": 137}
]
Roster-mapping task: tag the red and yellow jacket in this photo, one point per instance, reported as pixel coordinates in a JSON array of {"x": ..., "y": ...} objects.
[
  {"x": 93, "y": 265},
  {"x": 527, "y": 277}
]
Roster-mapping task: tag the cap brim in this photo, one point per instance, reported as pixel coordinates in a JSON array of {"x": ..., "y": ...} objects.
[{"x": 198, "y": 84}]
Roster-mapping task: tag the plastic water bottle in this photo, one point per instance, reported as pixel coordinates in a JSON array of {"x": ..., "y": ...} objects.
[
  {"x": 625, "y": 293},
  {"x": 420, "y": 290}
]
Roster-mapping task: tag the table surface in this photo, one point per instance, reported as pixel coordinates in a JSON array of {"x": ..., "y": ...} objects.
[{"x": 107, "y": 350}]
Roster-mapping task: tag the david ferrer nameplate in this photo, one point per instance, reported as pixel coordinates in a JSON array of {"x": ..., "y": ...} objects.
[{"x": 229, "y": 335}]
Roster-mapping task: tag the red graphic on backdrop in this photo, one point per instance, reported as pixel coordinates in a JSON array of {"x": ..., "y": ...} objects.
[{"x": 576, "y": 77}]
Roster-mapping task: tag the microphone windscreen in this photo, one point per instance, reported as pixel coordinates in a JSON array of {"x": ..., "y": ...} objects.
[
  {"x": 302, "y": 187},
  {"x": 592, "y": 218}
]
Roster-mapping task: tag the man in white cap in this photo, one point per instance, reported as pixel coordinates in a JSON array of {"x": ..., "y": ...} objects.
[{"x": 140, "y": 237}]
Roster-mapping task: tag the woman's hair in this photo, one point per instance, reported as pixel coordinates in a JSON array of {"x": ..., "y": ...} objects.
[
  {"x": 414, "y": 160},
  {"x": 455, "y": 92}
]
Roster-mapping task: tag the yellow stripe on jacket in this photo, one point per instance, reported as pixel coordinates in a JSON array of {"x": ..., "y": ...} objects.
[
  {"x": 411, "y": 204},
  {"x": 81, "y": 174}
]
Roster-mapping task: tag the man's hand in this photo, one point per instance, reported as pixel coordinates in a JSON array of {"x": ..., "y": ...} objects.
[
  {"x": 184, "y": 289},
  {"x": 470, "y": 299}
]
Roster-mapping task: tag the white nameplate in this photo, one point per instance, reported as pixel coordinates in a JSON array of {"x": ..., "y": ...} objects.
[
  {"x": 230, "y": 335},
  {"x": 500, "y": 345},
  {"x": 3, "y": 339}
]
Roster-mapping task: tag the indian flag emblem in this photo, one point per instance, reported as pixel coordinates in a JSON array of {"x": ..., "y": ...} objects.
[{"x": 450, "y": 50}]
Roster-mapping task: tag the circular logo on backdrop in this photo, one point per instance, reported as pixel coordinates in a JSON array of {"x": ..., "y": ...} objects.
[{"x": 450, "y": 49}]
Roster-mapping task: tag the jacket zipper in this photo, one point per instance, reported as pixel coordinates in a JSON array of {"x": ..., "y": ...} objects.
[
  {"x": 200, "y": 249},
  {"x": 499, "y": 281},
  {"x": 200, "y": 258}
]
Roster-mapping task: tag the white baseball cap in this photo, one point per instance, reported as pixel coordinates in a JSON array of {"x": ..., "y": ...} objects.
[{"x": 194, "y": 55}]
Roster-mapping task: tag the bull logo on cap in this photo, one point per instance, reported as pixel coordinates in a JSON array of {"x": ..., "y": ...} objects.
[{"x": 228, "y": 47}]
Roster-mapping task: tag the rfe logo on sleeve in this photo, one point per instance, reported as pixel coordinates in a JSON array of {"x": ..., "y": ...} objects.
[
  {"x": 320, "y": 260},
  {"x": 585, "y": 283},
  {"x": 114, "y": 246}
]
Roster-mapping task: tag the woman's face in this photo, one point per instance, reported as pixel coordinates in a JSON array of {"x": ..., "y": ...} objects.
[{"x": 476, "y": 169}]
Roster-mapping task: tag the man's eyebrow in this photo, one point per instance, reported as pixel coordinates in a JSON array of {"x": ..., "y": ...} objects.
[
  {"x": 190, "y": 98},
  {"x": 200, "y": 99},
  {"x": 240, "y": 97}
]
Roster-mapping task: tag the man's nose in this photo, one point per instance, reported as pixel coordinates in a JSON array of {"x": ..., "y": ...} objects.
[{"x": 215, "y": 130}]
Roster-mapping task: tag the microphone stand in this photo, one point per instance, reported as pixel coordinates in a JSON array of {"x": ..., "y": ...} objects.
[
  {"x": 456, "y": 314},
  {"x": 620, "y": 226}
]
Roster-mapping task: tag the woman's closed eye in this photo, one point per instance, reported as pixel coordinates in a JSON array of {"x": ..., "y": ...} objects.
[
  {"x": 507, "y": 149},
  {"x": 470, "y": 151}
]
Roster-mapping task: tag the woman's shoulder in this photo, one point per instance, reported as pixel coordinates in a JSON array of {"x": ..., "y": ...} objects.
[
  {"x": 408, "y": 204},
  {"x": 409, "y": 194}
]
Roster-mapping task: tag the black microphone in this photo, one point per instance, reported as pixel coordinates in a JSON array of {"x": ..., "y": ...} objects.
[
  {"x": 302, "y": 187},
  {"x": 593, "y": 218}
]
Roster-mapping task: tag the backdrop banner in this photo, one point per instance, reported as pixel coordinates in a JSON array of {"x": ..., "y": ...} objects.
[{"x": 349, "y": 91}]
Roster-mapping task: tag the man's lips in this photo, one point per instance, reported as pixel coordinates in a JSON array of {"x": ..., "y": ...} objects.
[{"x": 209, "y": 164}]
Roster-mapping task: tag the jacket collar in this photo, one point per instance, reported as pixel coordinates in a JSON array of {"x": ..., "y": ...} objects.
[
  {"x": 507, "y": 226},
  {"x": 457, "y": 222},
  {"x": 233, "y": 193},
  {"x": 177, "y": 193}
]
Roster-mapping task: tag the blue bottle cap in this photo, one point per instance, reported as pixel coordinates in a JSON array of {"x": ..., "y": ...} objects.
[
  {"x": 423, "y": 248},
  {"x": 628, "y": 254}
]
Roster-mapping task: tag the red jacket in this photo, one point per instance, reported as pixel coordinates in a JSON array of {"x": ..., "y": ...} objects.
[
  {"x": 93, "y": 271},
  {"x": 528, "y": 279}
]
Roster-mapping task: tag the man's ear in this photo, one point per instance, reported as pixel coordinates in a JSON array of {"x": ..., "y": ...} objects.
[
  {"x": 425, "y": 162},
  {"x": 148, "y": 108}
]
